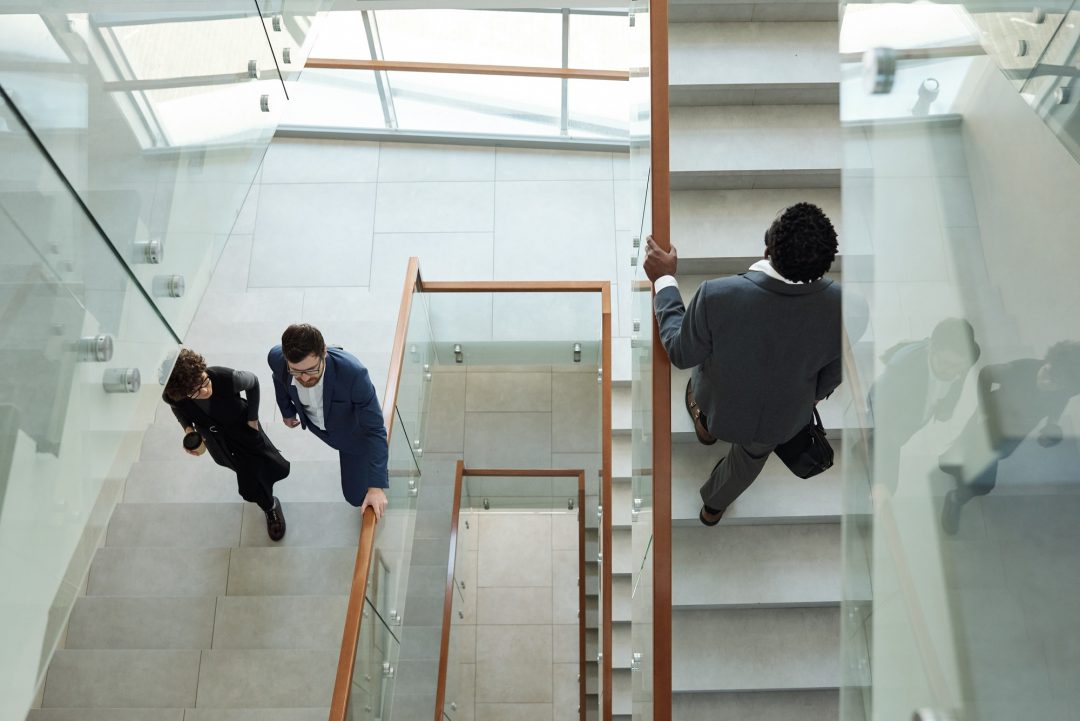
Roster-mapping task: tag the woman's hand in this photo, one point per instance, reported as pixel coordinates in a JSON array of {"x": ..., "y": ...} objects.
[{"x": 254, "y": 424}]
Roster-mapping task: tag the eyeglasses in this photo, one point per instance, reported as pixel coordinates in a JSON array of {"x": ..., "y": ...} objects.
[
  {"x": 313, "y": 371},
  {"x": 194, "y": 395}
]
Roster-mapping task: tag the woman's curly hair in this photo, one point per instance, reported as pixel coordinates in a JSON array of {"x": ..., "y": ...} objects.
[
  {"x": 801, "y": 243},
  {"x": 186, "y": 375}
]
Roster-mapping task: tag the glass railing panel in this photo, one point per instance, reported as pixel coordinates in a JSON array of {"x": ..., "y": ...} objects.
[
  {"x": 334, "y": 99},
  {"x": 159, "y": 119},
  {"x": 414, "y": 388},
  {"x": 1050, "y": 89},
  {"x": 597, "y": 108},
  {"x": 968, "y": 545},
  {"x": 520, "y": 493},
  {"x": 377, "y": 651},
  {"x": 390, "y": 562},
  {"x": 83, "y": 348},
  {"x": 459, "y": 701},
  {"x": 290, "y": 26}
]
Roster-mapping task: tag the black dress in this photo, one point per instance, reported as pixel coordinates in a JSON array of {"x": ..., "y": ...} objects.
[{"x": 222, "y": 421}]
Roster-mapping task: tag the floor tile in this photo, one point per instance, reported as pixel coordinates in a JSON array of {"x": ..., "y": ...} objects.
[
  {"x": 267, "y": 678},
  {"x": 122, "y": 679},
  {"x": 513, "y": 711},
  {"x": 458, "y": 207},
  {"x": 515, "y": 550},
  {"x": 293, "y": 160},
  {"x": 176, "y": 525},
  {"x": 508, "y": 392},
  {"x": 286, "y": 254},
  {"x": 513, "y": 664},
  {"x": 123, "y": 571},
  {"x": 99, "y": 622},
  {"x": 564, "y": 581},
  {"x": 290, "y": 571},
  {"x": 566, "y": 643},
  {"x": 516, "y": 606},
  {"x": 281, "y": 622},
  {"x": 532, "y": 243},
  {"x": 507, "y": 440},
  {"x": 575, "y": 417},
  {"x": 413, "y": 162}
]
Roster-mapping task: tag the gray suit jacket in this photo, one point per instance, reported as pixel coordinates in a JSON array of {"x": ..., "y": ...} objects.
[{"x": 764, "y": 351}]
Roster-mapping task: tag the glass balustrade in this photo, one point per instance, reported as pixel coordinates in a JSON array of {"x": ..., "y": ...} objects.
[
  {"x": 375, "y": 673},
  {"x": 84, "y": 348},
  {"x": 158, "y": 117},
  {"x": 960, "y": 456}
]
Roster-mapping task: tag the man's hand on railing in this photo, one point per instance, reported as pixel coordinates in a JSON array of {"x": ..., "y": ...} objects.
[
  {"x": 376, "y": 499},
  {"x": 659, "y": 262},
  {"x": 291, "y": 422}
]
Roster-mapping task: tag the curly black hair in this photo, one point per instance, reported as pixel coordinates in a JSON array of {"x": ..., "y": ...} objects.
[
  {"x": 801, "y": 242},
  {"x": 186, "y": 375}
]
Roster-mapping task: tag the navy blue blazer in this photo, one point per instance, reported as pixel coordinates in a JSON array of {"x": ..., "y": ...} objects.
[{"x": 351, "y": 414}]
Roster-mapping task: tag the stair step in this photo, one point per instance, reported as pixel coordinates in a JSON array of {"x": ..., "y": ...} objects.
[
  {"x": 756, "y": 566},
  {"x": 199, "y": 480},
  {"x": 279, "y": 622},
  {"x": 689, "y": 11},
  {"x": 267, "y": 678},
  {"x": 721, "y": 232},
  {"x": 757, "y": 146},
  {"x": 776, "y": 496},
  {"x": 121, "y": 679},
  {"x": 258, "y": 714},
  {"x": 291, "y": 571},
  {"x": 754, "y": 63},
  {"x": 755, "y": 649},
  {"x": 177, "y": 525},
  {"x": 621, "y": 410},
  {"x": 108, "y": 714},
  {"x": 109, "y": 623},
  {"x": 164, "y": 572},
  {"x": 771, "y": 706}
]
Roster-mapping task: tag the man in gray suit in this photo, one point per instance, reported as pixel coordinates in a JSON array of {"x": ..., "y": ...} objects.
[{"x": 764, "y": 346}]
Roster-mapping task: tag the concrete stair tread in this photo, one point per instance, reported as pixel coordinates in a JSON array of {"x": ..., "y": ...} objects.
[
  {"x": 687, "y": 11},
  {"x": 199, "y": 480},
  {"x": 756, "y": 566},
  {"x": 749, "y": 63},
  {"x": 755, "y": 649},
  {"x": 776, "y": 496},
  {"x": 821, "y": 705},
  {"x": 755, "y": 146},
  {"x": 721, "y": 232}
]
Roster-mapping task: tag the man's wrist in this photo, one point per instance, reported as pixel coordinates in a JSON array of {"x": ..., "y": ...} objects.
[{"x": 665, "y": 281}]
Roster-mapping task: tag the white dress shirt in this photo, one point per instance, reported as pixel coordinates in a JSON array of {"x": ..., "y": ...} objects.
[
  {"x": 764, "y": 265},
  {"x": 312, "y": 401}
]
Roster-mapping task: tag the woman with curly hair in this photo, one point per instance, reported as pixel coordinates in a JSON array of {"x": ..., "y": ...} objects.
[{"x": 207, "y": 403}]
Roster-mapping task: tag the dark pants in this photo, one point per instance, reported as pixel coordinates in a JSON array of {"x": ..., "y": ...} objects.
[
  {"x": 734, "y": 474},
  {"x": 255, "y": 490}
]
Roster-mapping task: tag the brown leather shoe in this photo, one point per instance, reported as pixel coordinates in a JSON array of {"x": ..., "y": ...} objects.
[
  {"x": 275, "y": 521},
  {"x": 702, "y": 433}
]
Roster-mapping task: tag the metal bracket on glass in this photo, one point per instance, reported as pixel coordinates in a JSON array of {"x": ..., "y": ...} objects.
[
  {"x": 1021, "y": 48},
  {"x": 453, "y": 706},
  {"x": 459, "y": 355},
  {"x": 1061, "y": 95},
  {"x": 599, "y": 375},
  {"x": 635, "y": 661},
  {"x": 599, "y": 556},
  {"x": 577, "y": 352},
  {"x": 1038, "y": 16},
  {"x": 276, "y": 23},
  {"x": 413, "y": 490},
  {"x": 149, "y": 251},
  {"x": 387, "y": 670},
  {"x": 633, "y": 261},
  {"x": 122, "y": 380},
  {"x": 264, "y": 103},
  {"x": 929, "y": 714},
  {"x": 487, "y": 505},
  {"x": 637, "y": 326},
  {"x": 879, "y": 70},
  {"x": 637, "y": 241},
  {"x": 600, "y": 512},
  {"x": 286, "y": 56},
  {"x": 253, "y": 70},
  {"x": 569, "y": 504},
  {"x": 169, "y": 286},
  {"x": 635, "y": 510},
  {"x": 95, "y": 348}
]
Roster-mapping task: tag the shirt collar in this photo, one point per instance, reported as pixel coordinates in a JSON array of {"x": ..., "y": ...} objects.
[{"x": 765, "y": 266}]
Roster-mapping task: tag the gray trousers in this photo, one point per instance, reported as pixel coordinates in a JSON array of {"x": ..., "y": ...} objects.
[{"x": 734, "y": 474}]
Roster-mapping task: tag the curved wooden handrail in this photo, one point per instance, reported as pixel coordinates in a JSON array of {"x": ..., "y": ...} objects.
[
  {"x": 467, "y": 69},
  {"x": 582, "y": 681},
  {"x": 350, "y": 636}
]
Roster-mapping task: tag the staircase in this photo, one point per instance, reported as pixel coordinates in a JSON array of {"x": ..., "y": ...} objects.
[
  {"x": 191, "y": 612},
  {"x": 754, "y": 128}
]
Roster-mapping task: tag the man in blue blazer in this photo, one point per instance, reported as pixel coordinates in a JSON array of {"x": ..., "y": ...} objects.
[{"x": 329, "y": 392}]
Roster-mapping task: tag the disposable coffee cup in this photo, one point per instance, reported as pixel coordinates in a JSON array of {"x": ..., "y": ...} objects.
[{"x": 194, "y": 442}]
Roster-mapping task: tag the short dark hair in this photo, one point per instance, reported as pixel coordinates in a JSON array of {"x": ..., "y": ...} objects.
[
  {"x": 801, "y": 242},
  {"x": 1064, "y": 360},
  {"x": 956, "y": 336},
  {"x": 301, "y": 340},
  {"x": 186, "y": 375}
]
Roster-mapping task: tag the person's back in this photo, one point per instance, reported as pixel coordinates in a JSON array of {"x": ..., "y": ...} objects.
[{"x": 764, "y": 345}]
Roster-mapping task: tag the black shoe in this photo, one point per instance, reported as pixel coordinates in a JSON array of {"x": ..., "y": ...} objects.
[
  {"x": 275, "y": 521},
  {"x": 712, "y": 512},
  {"x": 950, "y": 514}
]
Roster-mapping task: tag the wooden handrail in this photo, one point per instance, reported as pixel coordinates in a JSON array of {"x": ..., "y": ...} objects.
[
  {"x": 661, "y": 369},
  {"x": 351, "y": 634},
  {"x": 353, "y": 616},
  {"x": 467, "y": 69},
  {"x": 582, "y": 680},
  {"x": 519, "y": 286},
  {"x": 606, "y": 500},
  {"x": 448, "y": 599}
]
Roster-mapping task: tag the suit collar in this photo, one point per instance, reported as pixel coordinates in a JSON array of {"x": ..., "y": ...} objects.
[
  {"x": 778, "y": 286},
  {"x": 329, "y": 378}
]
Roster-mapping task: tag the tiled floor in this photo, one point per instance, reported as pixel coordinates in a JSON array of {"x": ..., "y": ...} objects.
[{"x": 516, "y": 647}]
